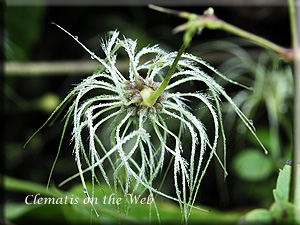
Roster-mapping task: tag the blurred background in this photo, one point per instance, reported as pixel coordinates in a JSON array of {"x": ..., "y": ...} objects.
[{"x": 31, "y": 95}]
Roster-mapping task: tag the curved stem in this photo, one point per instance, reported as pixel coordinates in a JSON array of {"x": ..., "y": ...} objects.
[
  {"x": 286, "y": 53},
  {"x": 210, "y": 21},
  {"x": 295, "y": 184},
  {"x": 171, "y": 71},
  {"x": 153, "y": 97}
]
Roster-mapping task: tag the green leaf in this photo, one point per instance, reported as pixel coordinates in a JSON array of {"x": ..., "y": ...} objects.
[
  {"x": 257, "y": 216},
  {"x": 15, "y": 210},
  {"x": 283, "y": 213},
  {"x": 252, "y": 165},
  {"x": 80, "y": 213},
  {"x": 28, "y": 187},
  {"x": 281, "y": 193}
]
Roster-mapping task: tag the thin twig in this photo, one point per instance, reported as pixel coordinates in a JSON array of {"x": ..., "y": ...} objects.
[
  {"x": 295, "y": 184},
  {"x": 210, "y": 21},
  {"x": 85, "y": 67}
]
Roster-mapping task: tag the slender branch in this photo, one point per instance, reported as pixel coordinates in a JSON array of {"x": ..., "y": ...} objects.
[
  {"x": 286, "y": 53},
  {"x": 295, "y": 184},
  {"x": 153, "y": 97},
  {"x": 210, "y": 21},
  {"x": 55, "y": 68},
  {"x": 293, "y": 23}
]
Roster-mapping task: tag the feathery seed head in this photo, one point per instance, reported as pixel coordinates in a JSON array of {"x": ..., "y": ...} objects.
[
  {"x": 137, "y": 152},
  {"x": 138, "y": 93}
]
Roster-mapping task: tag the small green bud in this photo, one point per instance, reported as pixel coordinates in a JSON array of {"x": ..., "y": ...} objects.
[
  {"x": 209, "y": 12},
  {"x": 146, "y": 94}
]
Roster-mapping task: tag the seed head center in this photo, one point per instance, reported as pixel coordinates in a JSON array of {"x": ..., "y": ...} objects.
[
  {"x": 146, "y": 94},
  {"x": 140, "y": 95}
]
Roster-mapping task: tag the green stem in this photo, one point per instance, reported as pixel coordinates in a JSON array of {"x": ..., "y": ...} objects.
[
  {"x": 287, "y": 54},
  {"x": 154, "y": 95},
  {"x": 293, "y": 24},
  {"x": 210, "y": 21},
  {"x": 171, "y": 71},
  {"x": 295, "y": 184}
]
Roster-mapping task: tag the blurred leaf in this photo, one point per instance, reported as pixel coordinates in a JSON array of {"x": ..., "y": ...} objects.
[
  {"x": 41, "y": 214},
  {"x": 28, "y": 187},
  {"x": 13, "y": 184},
  {"x": 76, "y": 214},
  {"x": 279, "y": 213},
  {"x": 14, "y": 210},
  {"x": 257, "y": 216},
  {"x": 281, "y": 193},
  {"x": 169, "y": 212},
  {"x": 283, "y": 213},
  {"x": 80, "y": 213},
  {"x": 252, "y": 165}
]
